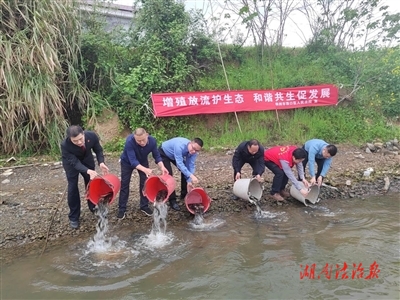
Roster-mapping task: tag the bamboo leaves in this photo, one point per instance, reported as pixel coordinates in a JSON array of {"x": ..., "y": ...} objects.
[{"x": 39, "y": 78}]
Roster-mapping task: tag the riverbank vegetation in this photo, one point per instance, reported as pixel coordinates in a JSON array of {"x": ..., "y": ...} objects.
[{"x": 61, "y": 65}]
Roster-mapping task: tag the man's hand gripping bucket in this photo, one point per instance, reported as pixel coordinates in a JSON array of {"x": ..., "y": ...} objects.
[
  {"x": 103, "y": 188},
  {"x": 159, "y": 188}
]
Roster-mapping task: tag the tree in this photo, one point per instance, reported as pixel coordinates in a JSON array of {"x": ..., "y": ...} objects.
[
  {"x": 265, "y": 20},
  {"x": 351, "y": 24},
  {"x": 169, "y": 52}
]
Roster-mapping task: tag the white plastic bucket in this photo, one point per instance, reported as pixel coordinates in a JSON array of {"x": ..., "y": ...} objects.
[
  {"x": 244, "y": 188},
  {"x": 312, "y": 196}
]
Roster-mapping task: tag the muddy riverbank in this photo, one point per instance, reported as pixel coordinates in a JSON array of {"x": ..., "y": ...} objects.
[{"x": 34, "y": 209}]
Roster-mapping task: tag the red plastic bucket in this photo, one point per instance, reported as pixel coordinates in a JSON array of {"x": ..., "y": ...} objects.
[
  {"x": 197, "y": 196},
  {"x": 154, "y": 184},
  {"x": 102, "y": 186}
]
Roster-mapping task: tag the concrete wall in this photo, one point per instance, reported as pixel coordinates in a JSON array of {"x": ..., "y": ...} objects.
[{"x": 115, "y": 14}]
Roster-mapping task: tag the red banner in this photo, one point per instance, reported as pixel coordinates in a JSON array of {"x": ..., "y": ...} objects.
[{"x": 214, "y": 102}]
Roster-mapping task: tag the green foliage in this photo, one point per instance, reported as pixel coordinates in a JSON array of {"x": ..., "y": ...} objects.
[
  {"x": 333, "y": 124},
  {"x": 104, "y": 53},
  {"x": 116, "y": 145},
  {"x": 171, "y": 51},
  {"x": 47, "y": 76},
  {"x": 39, "y": 73}
]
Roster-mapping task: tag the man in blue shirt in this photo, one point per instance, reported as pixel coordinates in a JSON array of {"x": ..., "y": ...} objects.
[
  {"x": 182, "y": 153},
  {"x": 135, "y": 156},
  {"x": 320, "y": 152}
]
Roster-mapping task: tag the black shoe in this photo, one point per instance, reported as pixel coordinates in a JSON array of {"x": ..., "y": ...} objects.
[
  {"x": 93, "y": 210},
  {"x": 174, "y": 206},
  {"x": 121, "y": 215},
  {"x": 234, "y": 197},
  {"x": 147, "y": 210},
  {"x": 74, "y": 224}
]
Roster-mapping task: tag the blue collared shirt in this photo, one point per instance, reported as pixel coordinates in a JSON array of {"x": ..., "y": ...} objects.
[
  {"x": 177, "y": 149},
  {"x": 314, "y": 148},
  {"x": 134, "y": 154}
]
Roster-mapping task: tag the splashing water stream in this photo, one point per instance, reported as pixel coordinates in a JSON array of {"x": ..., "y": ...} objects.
[
  {"x": 100, "y": 242},
  {"x": 160, "y": 213},
  {"x": 198, "y": 209},
  {"x": 256, "y": 202}
]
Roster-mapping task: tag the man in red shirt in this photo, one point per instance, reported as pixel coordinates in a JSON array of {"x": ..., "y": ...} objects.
[{"x": 280, "y": 160}]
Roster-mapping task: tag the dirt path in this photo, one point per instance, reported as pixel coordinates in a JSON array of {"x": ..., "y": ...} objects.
[{"x": 31, "y": 195}]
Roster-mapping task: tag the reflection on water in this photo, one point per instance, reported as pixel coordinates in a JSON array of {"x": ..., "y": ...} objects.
[{"x": 335, "y": 249}]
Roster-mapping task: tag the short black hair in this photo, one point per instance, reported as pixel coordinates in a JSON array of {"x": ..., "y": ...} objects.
[
  {"x": 253, "y": 142},
  {"x": 332, "y": 150},
  {"x": 299, "y": 153},
  {"x": 74, "y": 131},
  {"x": 198, "y": 141}
]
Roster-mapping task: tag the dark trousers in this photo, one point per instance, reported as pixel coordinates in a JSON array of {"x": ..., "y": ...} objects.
[
  {"x": 241, "y": 164},
  {"x": 280, "y": 179},
  {"x": 320, "y": 164},
  {"x": 74, "y": 199},
  {"x": 126, "y": 174},
  {"x": 167, "y": 163}
]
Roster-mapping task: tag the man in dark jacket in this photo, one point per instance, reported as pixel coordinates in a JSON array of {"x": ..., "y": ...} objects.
[
  {"x": 77, "y": 158},
  {"x": 250, "y": 152},
  {"x": 137, "y": 148}
]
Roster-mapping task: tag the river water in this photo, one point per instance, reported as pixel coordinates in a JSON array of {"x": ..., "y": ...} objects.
[{"x": 336, "y": 249}]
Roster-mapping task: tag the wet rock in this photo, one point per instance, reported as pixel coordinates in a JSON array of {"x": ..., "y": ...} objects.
[
  {"x": 371, "y": 147},
  {"x": 7, "y": 172},
  {"x": 395, "y": 143},
  {"x": 368, "y": 172}
]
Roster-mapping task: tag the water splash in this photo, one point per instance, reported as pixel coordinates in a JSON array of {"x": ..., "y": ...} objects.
[
  {"x": 160, "y": 213},
  {"x": 100, "y": 242},
  {"x": 158, "y": 237},
  {"x": 256, "y": 202},
  {"x": 206, "y": 224},
  {"x": 267, "y": 215},
  {"x": 103, "y": 250},
  {"x": 198, "y": 210},
  {"x": 159, "y": 218}
]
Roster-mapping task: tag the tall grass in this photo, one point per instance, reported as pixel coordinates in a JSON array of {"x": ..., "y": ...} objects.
[
  {"x": 39, "y": 79},
  {"x": 355, "y": 121},
  {"x": 333, "y": 124}
]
